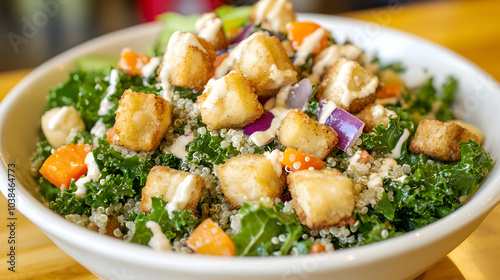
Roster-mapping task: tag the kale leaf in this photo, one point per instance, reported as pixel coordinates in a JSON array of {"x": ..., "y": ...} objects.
[
  {"x": 385, "y": 139},
  {"x": 110, "y": 189},
  {"x": 313, "y": 104},
  {"x": 66, "y": 202},
  {"x": 177, "y": 225},
  {"x": 208, "y": 150},
  {"x": 260, "y": 224}
]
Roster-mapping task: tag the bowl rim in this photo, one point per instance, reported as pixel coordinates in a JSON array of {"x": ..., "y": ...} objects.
[{"x": 50, "y": 222}]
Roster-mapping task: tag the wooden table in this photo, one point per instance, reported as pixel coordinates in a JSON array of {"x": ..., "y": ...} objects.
[{"x": 471, "y": 28}]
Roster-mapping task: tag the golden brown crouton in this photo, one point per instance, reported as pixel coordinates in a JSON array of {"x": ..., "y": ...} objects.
[
  {"x": 188, "y": 61},
  {"x": 209, "y": 27},
  {"x": 272, "y": 14},
  {"x": 349, "y": 85},
  {"x": 182, "y": 188},
  {"x": 373, "y": 115},
  {"x": 229, "y": 102},
  {"x": 321, "y": 198},
  {"x": 300, "y": 132},
  {"x": 472, "y": 128},
  {"x": 248, "y": 178},
  {"x": 264, "y": 62},
  {"x": 142, "y": 120},
  {"x": 440, "y": 140}
]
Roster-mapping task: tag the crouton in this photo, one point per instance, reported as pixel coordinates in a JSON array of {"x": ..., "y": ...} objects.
[
  {"x": 188, "y": 61},
  {"x": 440, "y": 140},
  {"x": 373, "y": 115},
  {"x": 209, "y": 27},
  {"x": 298, "y": 131},
  {"x": 181, "y": 188},
  {"x": 248, "y": 178},
  {"x": 272, "y": 14},
  {"x": 141, "y": 121},
  {"x": 349, "y": 85},
  {"x": 327, "y": 57},
  {"x": 472, "y": 128},
  {"x": 321, "y": 198},
  {"x": 263, "y": 61},
  {"x": 229, "y": 102}
]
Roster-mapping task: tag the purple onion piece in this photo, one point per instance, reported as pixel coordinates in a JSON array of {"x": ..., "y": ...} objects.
[
  {"x": 347, "y": 126},
  {"x": 242, "y": 36},
  {"x": 300, "y": 94},
  {"x": 261, "y": 124},
  {"x": 221, "y": 51}
]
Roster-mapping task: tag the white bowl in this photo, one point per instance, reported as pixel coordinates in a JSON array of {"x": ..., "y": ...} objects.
[{"x": 397, "y": 258}]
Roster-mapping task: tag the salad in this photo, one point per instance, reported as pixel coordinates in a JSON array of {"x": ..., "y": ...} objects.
[{"x": 244, "y": 132}]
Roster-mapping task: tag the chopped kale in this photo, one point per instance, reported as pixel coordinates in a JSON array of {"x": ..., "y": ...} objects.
[
  {"x": 206, "y": 150},
  {"x": 312, "y": 109},
  {"x": 260, "y": 224},
  {"x": 175, "y": 225},
  {"x": 66, "y": 202},
  {"x": 187, "y": 93}
]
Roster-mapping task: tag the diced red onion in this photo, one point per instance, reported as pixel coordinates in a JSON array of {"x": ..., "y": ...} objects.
[
  {"x": 261, "y": 124},
  {"x": 221, "y": 51},
  {"x": 242, "y": 36},
  {"x": 347, "y": 126},
  {"x": 300, "y": 94}
]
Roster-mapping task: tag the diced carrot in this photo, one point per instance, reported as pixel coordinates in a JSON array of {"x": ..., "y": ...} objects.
[
  {"x": 364, "y": 157},
  {"x": 66, "y": 163},
  {"x": 298, "y": 31},
  {"x": 218, "y": 60},
  {"x": 390, "y": 91},
  {"x": 296, "y": 160},
  {"x": 209, "y": 239},
  {"x": 317, "y": 248},
  {"x": 132, "y": 62}
]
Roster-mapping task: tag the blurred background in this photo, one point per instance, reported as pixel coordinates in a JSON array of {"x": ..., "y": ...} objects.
[{"x": 35, "y": 30}]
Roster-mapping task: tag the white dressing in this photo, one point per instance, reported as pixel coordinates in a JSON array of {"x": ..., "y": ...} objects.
[
  {"x": 148, "y": 70},
  {"x": 159, "y": 241},
  {"x": 326, "y": 111},
  {"x": 105, "y": 103},
  {"x": 182, "y": 194},
  {"x": 396, "y": 152},
  {"x": 208, "y": 26},
  {"x": 261, "y": 138},
  {"x": 308, "y": 45},
  {"x": 178, "y": 148},
  {"x": 218, "y": 91},
  {"x": 93, "y": 174},
  {"x": 275, "y": 161}
]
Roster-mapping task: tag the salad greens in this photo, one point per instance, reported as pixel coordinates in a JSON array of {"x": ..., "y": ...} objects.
[
  {"x": 429, "y": 191},
  {"x": 178, "y": 224},
  {"x": 260, "y": 224}
]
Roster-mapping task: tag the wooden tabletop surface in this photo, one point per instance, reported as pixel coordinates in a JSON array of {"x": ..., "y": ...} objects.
[{"x": 471, "y": 28}]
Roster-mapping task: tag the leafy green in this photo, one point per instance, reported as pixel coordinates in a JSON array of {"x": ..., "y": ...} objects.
[
  {"x": 110, "y": 189},
  {"x": 187, "y": 93},
  {"x": 397, "y": 67},
  {"x": 313, "y": 104},
  {"x": 385, "y": 139},
  {"x": 176, "y": 225},
  {"x": 428, "y": 103},
  {"x": 209, "y": 151},
  {"x": 43, "y": 151},
  {"x": 172, "y": 22},
  {"x": 84, "y": 137},
  {"x": 47, "y": 189},
  {"x": 260, "y": 224},
  {"x": 232, "y": 16},
  {"x": 66, "y": 202}
]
